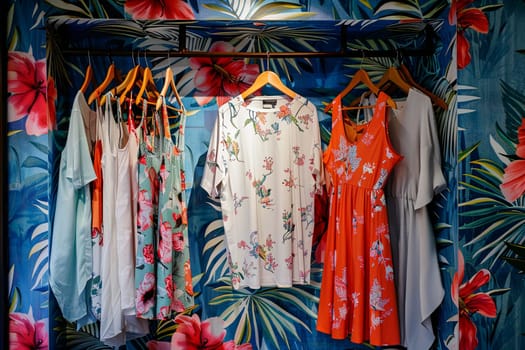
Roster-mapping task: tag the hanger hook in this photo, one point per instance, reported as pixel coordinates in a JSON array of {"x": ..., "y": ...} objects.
[
  {"x": 133, "y": 58},
  {"x": 398, "y": 57},
  {"x": 362, "y": 59},
  {"x": 146, "y": 58},
  {"x": 267, "y": 60},
  {"x": 89, "y": 57}
]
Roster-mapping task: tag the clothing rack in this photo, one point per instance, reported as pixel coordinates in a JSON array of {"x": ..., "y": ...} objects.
[
  {"x": 295, "y": 54},
  {"x": 339, "y": 29}
]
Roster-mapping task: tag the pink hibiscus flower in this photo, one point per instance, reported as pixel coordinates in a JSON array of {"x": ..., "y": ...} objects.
[
  {"x": 145, "y": 298},
  {"x": 178, "y": 241},
  {"x": 192, "y": 334},
  {"x": 164, "y": 173},
  {"x": 147, "y": 252},
  {"x": 158, "y": 345},
  {"x": 154, "y": 184},
  {"x": 145, "y": 210},
  {"x": 470, "y": 303},
  {"x": 158, "y": 9},
  {"x": 169, "y": 286},
  {"x": 25, "y": 333},
  {"x": 222, "y": 76},
  {"x": 466, "y": 18},
  {"x": 30, "y": 93},
  {"x": 165, "y": 248},
  {"x": 513, "y": 185}
]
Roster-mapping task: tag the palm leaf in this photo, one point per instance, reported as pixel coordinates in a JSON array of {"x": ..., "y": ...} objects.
[
  {"x": 514, "y": 106},
  {"x": 14, "y": 294},
  {"x": 276, "y": 38},
  {"x": 258, "y": 9},
  {"x": 165, "y": 329},
  {"x": 214, "y": 251},
  {"x": 432, "y": 8},
  {"x": 518, "y": 261},
  {"x": 71, "y": 8},
  {"x": 73, "y": 339},
  {"x": 398, "y": 9},
  {"x": 271, "y": 306},
  {"x": 467, "y": 152}
]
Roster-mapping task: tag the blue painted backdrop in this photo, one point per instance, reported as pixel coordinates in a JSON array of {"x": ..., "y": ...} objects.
[{"x": 474, "y": 219}]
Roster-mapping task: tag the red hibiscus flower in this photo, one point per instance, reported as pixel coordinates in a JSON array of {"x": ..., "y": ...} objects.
[
  {"x": 192, "y": 334},
  {"x": 513, "y": 185},
  {"x": 25, "y": 333},
  {"x": 28, "y": 91},
  {"x": 473, "y": 18},
  {"x": 470, "y": 303},
  {"x": 158, "y": 9},
  {"x": 145, "y": 298},
  {"x": 222, "y": 76}
]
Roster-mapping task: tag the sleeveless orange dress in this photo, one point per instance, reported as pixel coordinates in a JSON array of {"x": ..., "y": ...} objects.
[{"x": 358, "y": 296}]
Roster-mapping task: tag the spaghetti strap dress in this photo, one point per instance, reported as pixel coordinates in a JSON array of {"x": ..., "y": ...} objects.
[
  {"x": 358, "y": 296},
  {"x": 162, "y": 274}
]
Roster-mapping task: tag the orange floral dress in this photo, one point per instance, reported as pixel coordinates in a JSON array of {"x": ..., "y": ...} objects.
[{"x": 358, "y": 296}]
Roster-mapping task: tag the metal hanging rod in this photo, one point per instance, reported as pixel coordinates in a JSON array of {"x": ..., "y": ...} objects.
[
  {"x": 182, "y": 51},
  {"x": 295, "y": 54}
]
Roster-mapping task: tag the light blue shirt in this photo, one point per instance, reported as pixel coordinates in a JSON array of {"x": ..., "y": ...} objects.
[{"x": 70, "y": 261}]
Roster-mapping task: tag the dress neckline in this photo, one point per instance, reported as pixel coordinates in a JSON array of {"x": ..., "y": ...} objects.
[
  {"x": 365, "y": 126},
  {"x": 245, "y": 104}
]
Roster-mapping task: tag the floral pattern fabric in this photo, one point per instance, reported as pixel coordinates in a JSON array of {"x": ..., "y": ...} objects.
[
  {"x": 263, "y": 159},
  {"x": 162, "y": 275},
  {"x": 358, "y": 295}
]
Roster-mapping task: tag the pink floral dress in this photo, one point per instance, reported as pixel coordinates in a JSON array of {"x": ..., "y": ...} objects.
[{"x": 162, "y": 273}]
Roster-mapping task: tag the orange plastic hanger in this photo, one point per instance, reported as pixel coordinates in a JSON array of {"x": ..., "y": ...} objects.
[
  {"x": 361, "y": 76},
  {"x": 268, "y": 77},
  {"x": 88, "y": 78},
  {"x": 169, "y": 82},
  {"x": 110, "y": 75}
]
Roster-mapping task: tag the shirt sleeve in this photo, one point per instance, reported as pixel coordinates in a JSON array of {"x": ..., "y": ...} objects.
[
  {"x": 214, "y": 170},
  {"x": 431, "y": 179},
  {"x": 317, "y": 153},
  {"x": 80, "y": 170}
]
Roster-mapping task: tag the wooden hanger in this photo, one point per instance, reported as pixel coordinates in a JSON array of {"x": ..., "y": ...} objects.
[
  {"x": 389, "y": 78},
  {"x": 88, "y": 78},
  {"x": 119, "y": 89},
  {"x": 169, "y": 82},
  {"x": 392, "y": 76},
  {"x": 125, "y": 87},
  {"x": 438, "y": 101},
  {"x": 265, "y": 78},
  {"x": 110, "y": 75},
  {"x": 147, "y": 83},
  {"x": 361, "y": 76}
]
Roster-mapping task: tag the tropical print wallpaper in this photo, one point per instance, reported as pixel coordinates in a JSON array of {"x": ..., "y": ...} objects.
[{"x": 479, "y": 220}]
